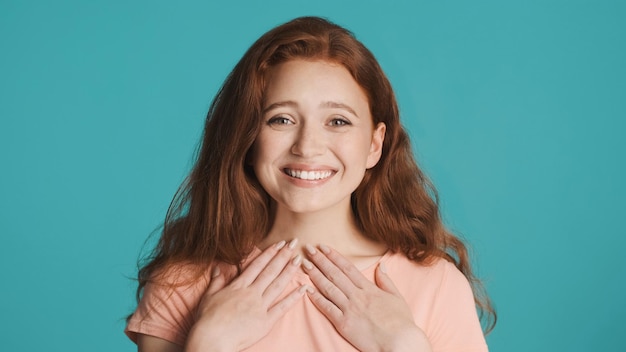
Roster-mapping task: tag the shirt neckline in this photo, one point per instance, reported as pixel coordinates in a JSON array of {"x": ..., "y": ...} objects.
[{"x": 302, "y": 275}]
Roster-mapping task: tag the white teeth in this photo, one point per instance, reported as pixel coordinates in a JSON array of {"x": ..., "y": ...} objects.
[{"x": 308, "y": 175}]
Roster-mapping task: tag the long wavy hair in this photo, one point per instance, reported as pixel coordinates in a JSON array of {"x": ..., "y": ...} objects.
[{"x": 221, "y": 211}]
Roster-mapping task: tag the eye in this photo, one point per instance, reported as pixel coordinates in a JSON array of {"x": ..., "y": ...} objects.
[
  {"x": 338, "y": 121},
  {"x": 279, "y": 120}
]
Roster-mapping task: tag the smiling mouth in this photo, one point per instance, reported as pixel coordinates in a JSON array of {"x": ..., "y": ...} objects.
[{"x": 309, "y": 175}]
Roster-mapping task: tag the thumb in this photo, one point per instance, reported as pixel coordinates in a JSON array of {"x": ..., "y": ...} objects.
[{"x": 384, "y": 281}]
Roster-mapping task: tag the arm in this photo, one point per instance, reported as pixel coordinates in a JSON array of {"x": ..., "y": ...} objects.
[
  {"x": 228, "y": 315},
  {"x": 454, "y": 324},
  {"x": 147, "y": 343}
]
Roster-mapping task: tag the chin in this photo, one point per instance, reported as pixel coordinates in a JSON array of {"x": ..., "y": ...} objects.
[{"x": 315, "y": 207}]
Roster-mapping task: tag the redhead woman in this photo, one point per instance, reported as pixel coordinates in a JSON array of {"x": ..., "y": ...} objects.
[{"x": 306, "y": 224}]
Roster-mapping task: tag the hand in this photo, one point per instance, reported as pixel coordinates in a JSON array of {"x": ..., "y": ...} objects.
[
  {"x": 372, "y": 317},
  {"x": 234, "y": 316}
]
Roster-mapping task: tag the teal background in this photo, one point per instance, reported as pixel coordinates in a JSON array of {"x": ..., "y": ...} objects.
[{"x": 516, "y": 109}]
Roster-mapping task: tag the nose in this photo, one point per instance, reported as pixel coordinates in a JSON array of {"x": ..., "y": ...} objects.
[{"x": 309, "y": 141}]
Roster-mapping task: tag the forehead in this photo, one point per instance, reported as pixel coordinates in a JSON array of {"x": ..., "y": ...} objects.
[{"x": 308, "y": 80}]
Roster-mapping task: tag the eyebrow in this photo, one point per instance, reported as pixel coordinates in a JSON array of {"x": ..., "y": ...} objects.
[
  {"x": 337, "y": 105},
  {"x": 326, "y": 104},
  {"x": 280, "y": 104}
]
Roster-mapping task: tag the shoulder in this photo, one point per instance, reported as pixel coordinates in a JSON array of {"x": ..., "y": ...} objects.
[
  {"x": 182, "y": 282},
  {"x": 442, "y": 302},
  {"x": 431, "y": 274},
  {"x": 186, "y": 277},
  {"x": 436, "y": 281},
  {"x": 167, "y": 307}
]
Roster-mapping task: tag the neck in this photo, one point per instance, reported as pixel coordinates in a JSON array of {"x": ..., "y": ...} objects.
[{"x": 335, "y": 227}]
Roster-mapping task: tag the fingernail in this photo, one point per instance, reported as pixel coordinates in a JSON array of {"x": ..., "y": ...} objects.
[
  {"x": 324, "y": 249},
  {"x": 310, "y": 249},
  {"x": 293, "y": 243},
  {"x": 307, "y": 264},
  {"x": 382, "y": 267},
  {"x": 280, "y": 244},
  {"x": 215, "y": 272},
  {"x": 297, "y": 260}
]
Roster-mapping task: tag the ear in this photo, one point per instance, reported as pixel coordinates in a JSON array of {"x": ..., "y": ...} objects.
[{"x": 376, "y": 147}]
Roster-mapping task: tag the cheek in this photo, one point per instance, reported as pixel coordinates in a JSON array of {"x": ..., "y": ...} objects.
[
  {"x": 364, "y": 146},
  {"x": 264, "y": 150},
  {"x": 355, "y": 154},
  {"x": 259, "y": 144}
]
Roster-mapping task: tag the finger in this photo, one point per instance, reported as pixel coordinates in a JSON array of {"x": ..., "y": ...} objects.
[
  {"x": 326, "y": 287},
  {"x": 281, "y": 307},
  {"x": 273, "y": 269},
  {"x": 330, "y": 310},
  {"x": 278, "y": 285},
  {"x": 258, "y": 264},
  {"x": 218, "y": 280},
  {"x": 346, "y": 266},
  {"x": 384, "y": 281},
  {"x": 332, "y": 272}
]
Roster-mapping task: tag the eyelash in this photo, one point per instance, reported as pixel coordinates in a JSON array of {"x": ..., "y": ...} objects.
[
  {"x": 281, "y": 120},
  {"x": 278, "y": 120},
  {"x": 339, "y": 122}
]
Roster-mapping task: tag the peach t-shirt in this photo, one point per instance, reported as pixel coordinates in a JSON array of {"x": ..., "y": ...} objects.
[{"x": 439, "y": 296}]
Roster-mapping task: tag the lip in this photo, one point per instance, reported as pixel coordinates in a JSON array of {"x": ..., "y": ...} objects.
[{"x": 314, "y": 174}]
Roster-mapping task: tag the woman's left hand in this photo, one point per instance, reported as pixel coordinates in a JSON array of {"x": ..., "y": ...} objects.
[{"x": 372, "y": 317}]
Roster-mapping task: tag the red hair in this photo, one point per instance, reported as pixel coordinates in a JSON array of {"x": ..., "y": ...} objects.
[{"x": 221, "y": 211}]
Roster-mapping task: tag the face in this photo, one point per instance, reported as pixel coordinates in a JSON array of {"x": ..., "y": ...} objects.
[{"x": 317, "y": 138}]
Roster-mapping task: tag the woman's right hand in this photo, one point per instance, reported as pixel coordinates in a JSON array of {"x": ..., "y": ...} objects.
[{"x": 233, "y": 316}]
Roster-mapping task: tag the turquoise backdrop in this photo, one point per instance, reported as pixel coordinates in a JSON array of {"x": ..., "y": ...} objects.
[{"x": 516, "y": 109}]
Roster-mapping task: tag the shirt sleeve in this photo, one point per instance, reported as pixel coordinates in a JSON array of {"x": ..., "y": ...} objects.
[
  {"x": 166, "y": 312},
  {"x": 455, "y": 325}
]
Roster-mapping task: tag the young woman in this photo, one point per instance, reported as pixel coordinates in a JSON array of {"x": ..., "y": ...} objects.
[{"x": 306, "y": 224}]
